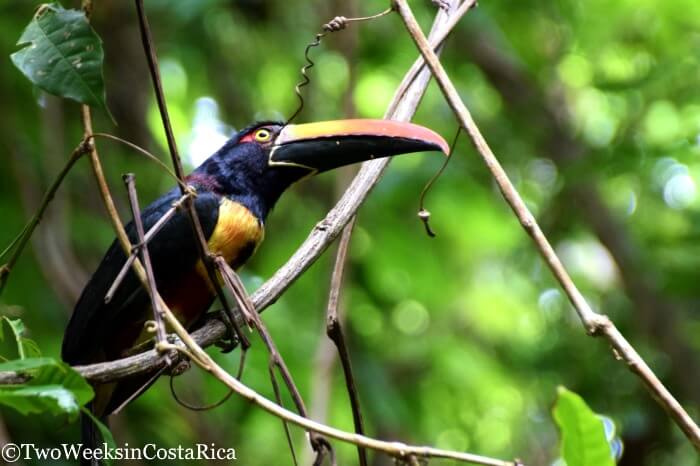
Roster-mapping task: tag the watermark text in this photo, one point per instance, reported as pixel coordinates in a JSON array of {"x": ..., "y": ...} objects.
[{"x": 11, "y": 452}]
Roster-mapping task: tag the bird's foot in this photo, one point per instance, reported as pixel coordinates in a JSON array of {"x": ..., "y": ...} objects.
[
  {"x": 228, "y": 342},
  {"x": 180, "y": 367}
]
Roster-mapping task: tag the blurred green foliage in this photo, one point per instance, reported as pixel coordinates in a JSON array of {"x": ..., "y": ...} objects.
[{"x": 460, "y": 341}]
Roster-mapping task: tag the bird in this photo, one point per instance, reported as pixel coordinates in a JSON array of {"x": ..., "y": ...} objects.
[{"x": 236, "y": 188}]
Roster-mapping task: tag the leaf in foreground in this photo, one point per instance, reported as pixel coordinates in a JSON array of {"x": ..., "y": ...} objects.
[
  {"x": 26, "y": 348},
  {"x": 54, "y": 387},
  {"x": 62, "y": 55},
  {"x": 583, "y": 439}
]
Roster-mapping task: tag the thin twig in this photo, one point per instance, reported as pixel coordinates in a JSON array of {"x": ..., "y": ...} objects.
[
  {"x": 142, "y": 151},
  {"x": 334, "y": 331},
  {"x": 237, "y": 289},
  {"x": 18, "y": 244},
  {"x": 278, "y": 400},
  {"x": 594, "y": 323},
  {"x": 146, "y": 239},
  {"x": 443, "y": 24},
  {"x": 130, "y": 181},
  {"x": 152, "y": 60},
  {"x": 118, "y": 225},
  {"x": 112, "y": 212}
]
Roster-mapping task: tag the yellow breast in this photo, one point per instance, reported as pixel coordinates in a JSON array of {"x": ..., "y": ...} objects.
[
  {"x": 237, "y": 233},
  {"x": 236, "y": 236}
]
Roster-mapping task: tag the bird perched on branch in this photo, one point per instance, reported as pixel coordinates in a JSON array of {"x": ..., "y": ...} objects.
[{"x": 236, "y": 189}]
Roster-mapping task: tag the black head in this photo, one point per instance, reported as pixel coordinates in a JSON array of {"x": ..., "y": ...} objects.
[{"x": 260, "y": 162}]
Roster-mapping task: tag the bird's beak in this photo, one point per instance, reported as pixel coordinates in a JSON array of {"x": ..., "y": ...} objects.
[{"x": 327, "y": 145}]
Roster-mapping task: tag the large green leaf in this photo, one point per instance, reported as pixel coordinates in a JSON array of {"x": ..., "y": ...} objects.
[
  {"x": 54, "y": 387},
  {"x": 62, "y": 55},
  {"x": 26, "y": 365},
  {"x": 583, "y": 439},
  {"x": 62, "y": 374},
  {"x": 30, "y": 399}
]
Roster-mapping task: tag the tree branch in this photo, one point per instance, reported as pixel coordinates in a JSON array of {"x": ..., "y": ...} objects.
[
  {"x": 17, "y": 246},
  {"x": 595, "y": 324},
  {"x": 334, "y": 330}
]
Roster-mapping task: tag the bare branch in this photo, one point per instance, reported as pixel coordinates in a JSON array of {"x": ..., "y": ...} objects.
[
  {"x": 18, "y": 244},
  {"x": 129, "y": 180},
  {"x": 146, "y": 239},
  {"x": 594, "y": 323},
  {"x": 334, "y": 331}
]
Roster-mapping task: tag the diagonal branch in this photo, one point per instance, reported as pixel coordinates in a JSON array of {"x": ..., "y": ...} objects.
[
  {"x": 235, "y": 286},
  {"x": 595, "y": 324},
  {"x": 130, "y": 181},
  {"x": 656, "y": 314},
  {"x": 18, "y": 244}
]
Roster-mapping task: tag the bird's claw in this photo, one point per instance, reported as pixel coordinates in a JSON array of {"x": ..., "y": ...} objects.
[
  {"x": 228, "y": 342},
  {"x": 180, "y": 367}
]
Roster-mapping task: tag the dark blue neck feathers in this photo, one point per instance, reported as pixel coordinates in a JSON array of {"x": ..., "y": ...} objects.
[{"x": 241, "y": 173}]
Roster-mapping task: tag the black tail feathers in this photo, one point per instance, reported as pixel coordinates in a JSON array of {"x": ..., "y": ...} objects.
[{"x": 90, "y": 436}]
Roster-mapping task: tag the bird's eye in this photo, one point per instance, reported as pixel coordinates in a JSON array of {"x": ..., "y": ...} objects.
[{"x": 262, "y": 135}]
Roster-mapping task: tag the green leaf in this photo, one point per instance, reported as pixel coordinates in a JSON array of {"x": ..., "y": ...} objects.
[
  {"x": 54, "y": 387},
  {"x": 30, "y": 399},
  {"x": 17, "y": 327},
  {"x": 583, "y": 440},
  {"x": 25, "y": 365},
  {"x": 61, "y": 373},
  {"x": 63, "y": 55},
  {"x": 25, "y": 346},
  {"x": 30, "y": 348}
]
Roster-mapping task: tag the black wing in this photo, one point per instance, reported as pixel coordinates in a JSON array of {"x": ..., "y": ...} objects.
[{"x": 173, "y": 253}]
